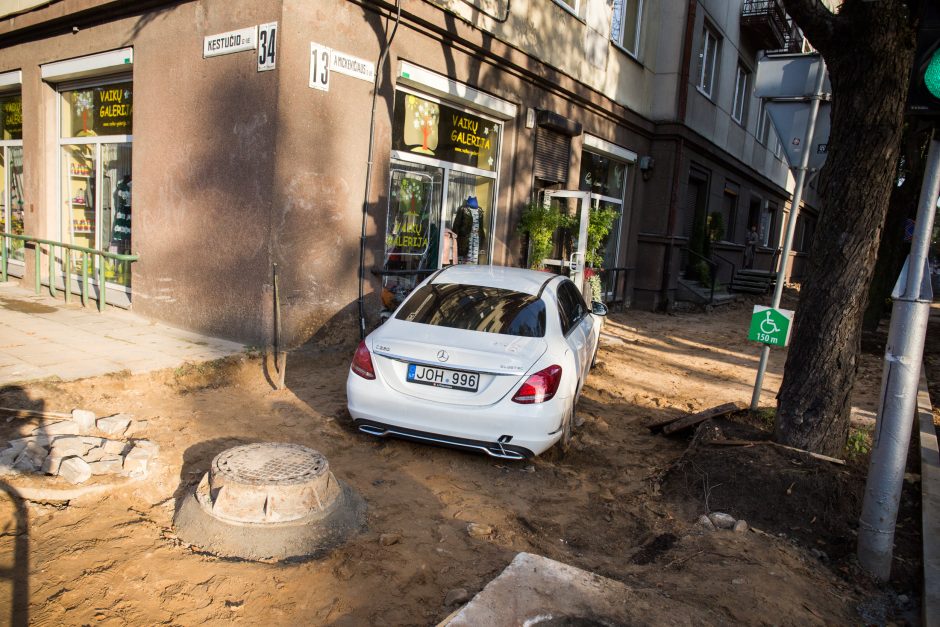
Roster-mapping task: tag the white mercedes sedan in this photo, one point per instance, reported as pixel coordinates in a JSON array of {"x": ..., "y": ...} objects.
[{"x": 483, "y": 358}]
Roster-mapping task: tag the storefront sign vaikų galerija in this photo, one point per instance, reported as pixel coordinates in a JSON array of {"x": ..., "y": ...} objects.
[{"x": 436, "y": 130}]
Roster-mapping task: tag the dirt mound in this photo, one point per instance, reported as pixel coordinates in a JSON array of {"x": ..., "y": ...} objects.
[{"x": 814, "y": 503}]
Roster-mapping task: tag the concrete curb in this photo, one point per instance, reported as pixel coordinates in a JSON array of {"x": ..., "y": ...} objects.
[{"x": 930, "y": 493}]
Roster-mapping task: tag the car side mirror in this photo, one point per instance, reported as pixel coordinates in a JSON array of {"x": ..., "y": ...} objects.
[{"x": 598, "y": 308}]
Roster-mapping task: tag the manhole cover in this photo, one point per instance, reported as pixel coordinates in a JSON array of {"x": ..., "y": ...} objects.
[
  {"x": 269, "y": 464},
  {"x": 269, "y": 501},
  {"x": 268, "y": 483}
]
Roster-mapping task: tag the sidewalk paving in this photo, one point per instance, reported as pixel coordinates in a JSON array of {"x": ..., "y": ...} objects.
[{"x": 41, "y": 337}]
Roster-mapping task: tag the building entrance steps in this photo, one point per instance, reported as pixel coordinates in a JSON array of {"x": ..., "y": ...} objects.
[{"x": 41, "y": 337}]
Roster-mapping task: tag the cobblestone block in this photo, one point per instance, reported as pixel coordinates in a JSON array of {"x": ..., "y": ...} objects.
[
  {"x": 84, "y": 419},
  {"x": 114, "y": 425},
  {"x": 110, "y": 464},
  {"x": 63, "y": 427},
  {"x": 115, "y": 447},
  {"x": 136, "y": 461},
  {"x": 73, "y": 445},
  {"x": 31, "y": 458},
  {"x": 74, "y": 470},
  {"x": 51, "y": 464}
]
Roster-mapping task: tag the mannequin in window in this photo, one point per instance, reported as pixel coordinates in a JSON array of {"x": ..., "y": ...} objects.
[
  {"x": 121, "y": 229},
  {"x": 468, "y": 225}
]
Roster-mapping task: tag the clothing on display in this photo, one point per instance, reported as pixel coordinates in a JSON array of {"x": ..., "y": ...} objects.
[
  {"x": 450, "y": 248},
  {"x": 469, "y": 229},
  {"x": 121, "y": 229}
]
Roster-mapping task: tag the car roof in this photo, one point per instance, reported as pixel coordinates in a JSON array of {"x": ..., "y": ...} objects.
[{"x": 503, "y": 277}]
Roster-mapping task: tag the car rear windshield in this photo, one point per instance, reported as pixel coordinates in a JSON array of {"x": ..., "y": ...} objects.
[{"x": 475, "y": 308}]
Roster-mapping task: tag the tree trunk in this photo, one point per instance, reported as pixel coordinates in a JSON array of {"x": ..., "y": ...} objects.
[{"x": 868, "y": 48}]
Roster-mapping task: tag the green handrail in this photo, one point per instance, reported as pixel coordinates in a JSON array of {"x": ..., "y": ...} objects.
[{"x": 86, "y": 253}]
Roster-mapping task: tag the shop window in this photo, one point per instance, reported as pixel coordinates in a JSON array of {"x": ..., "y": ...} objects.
[
  {"x": 625, "y": 25},
  {"x": 708, "y": 61},
  {"x": 96, "y": 124},
  {"x": 12, "y": 200},
  {"x": 442, "y": 192}
]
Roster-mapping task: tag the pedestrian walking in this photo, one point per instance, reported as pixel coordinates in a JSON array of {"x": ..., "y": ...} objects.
[{"x": 750, "y": 247}]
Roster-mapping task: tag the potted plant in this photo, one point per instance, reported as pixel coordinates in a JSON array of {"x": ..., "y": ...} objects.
[{"x": 539, "y": 222}]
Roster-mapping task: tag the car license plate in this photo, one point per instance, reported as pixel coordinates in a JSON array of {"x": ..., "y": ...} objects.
[{"x": 443, "y": 378}]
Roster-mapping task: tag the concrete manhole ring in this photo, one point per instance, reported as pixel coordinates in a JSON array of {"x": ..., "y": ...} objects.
[{"x": 269, "y": 501}]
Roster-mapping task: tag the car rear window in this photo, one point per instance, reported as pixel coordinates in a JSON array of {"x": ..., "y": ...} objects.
[{"x": 475, "y": 308}]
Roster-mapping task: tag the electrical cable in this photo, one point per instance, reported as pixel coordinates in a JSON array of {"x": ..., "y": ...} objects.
[{"x": 368, "y": 191}]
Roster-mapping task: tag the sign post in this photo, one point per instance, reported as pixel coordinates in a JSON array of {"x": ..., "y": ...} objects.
[{"x": 778, "y": 78}]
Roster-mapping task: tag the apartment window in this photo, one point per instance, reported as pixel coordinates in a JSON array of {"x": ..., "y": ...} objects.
[
  {"x": 571, "y": 5},
  {"x": 625, "y": 26},
  {"x": 763, "y": 123},
  {"x": 741, "y": 85},
  {"x": 708, "y": 61}
]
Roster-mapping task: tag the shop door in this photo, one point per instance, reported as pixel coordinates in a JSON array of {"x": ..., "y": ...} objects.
[{"x": 570, "y": 255}]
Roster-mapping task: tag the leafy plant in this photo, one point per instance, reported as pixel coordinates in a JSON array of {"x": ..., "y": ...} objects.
[
  {"x": 716, "y": 226},
  {"x": 594, "y": 280},
  {"x": 858, "y": 444},
  {"x": 766, "y": 416},
  {"x": 600, "y": 222},
  {"x": 539, "y": 222}
]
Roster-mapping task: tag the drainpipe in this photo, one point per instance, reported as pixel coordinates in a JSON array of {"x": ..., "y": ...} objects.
[
  {"x": 368, "y": 192},
  {"x": 681, "y": 108}
]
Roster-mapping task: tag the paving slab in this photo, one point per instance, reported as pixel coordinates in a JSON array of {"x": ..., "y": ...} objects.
[
  {"x": 43, "y": 337},
  {"x": 535, "y": 590}
]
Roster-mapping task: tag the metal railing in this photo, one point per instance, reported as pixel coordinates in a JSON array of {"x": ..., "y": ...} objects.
[
  {"x": 712, "y": 271},
  {"x": 734, "y": 268},
  {"x": 87, "y": 254}
]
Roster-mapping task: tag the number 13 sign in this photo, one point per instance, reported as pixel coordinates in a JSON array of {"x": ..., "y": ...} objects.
[{"x": 320, "y": 66}]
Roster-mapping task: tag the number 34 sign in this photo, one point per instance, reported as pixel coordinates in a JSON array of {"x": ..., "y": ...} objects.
[
  {"x": 267, "y": 46},
  {"x": 770, "y": 326}
]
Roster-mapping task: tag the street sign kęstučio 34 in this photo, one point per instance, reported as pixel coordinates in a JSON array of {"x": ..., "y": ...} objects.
[{"x": 770, "y": 326}]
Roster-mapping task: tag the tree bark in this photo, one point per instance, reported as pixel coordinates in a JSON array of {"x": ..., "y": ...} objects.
[{"x": 868, "y": 48}]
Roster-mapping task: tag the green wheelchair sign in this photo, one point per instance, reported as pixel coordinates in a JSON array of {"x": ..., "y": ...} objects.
[{"x": 770, "y": 326}]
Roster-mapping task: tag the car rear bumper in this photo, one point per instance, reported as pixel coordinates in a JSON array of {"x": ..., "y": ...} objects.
[
  {"x": 506, "y": 425},
  {"x": 493, "y": 449}
]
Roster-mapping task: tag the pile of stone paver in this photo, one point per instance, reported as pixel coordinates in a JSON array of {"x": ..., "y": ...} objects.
[{"x": 71, "y": 448}]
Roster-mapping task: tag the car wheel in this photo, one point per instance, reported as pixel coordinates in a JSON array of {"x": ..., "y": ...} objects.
[{"x": 594, "y": 358}]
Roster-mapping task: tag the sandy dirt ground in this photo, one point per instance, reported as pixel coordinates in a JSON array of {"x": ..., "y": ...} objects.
[{"x": 115, "y": 559}]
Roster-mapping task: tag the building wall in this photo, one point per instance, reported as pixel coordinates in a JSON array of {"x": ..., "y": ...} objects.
[{"x": 235, "y": 170}]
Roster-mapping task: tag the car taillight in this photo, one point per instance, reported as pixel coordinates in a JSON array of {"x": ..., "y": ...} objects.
[
  {"x": 362, "y": 362},
  {"x": 539, "y": 387}
]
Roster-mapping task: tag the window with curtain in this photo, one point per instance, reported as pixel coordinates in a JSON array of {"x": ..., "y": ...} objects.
[{"x": 625, "y": 25}]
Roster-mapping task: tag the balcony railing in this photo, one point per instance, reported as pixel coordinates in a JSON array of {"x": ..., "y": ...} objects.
[{"x": 765, "y": 22}]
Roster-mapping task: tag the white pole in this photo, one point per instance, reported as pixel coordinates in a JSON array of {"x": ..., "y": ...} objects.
[
  {"x": 791, "y": 221},
  {"x": 903, "y": 354}
]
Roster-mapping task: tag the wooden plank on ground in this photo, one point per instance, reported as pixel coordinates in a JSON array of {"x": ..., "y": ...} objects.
[
  {"x": 715, "y": 412},
  {"x": 825, "y": 458}
]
